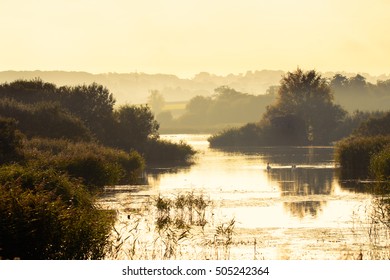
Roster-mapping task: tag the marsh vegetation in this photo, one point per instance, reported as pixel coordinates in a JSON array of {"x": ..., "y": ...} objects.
[
  {"x": 59, "y": 146},
  {"x": 64, "y": 151}
]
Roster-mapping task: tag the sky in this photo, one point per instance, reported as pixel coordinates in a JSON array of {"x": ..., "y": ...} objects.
[{"x": 185, "y": 37}]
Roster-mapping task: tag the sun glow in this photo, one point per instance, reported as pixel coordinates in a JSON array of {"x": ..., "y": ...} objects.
[{"x": 186, "y": 37}]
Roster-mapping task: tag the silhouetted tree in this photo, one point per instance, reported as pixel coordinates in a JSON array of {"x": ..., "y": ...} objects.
[
  {"x": 227, "y": 106},
  {"x": 44, "y": 119},
  {"x": 339, "y": 82},
  {"x": 307, "y": 97},
  {"x": 358, "y": 82},
  {"x": 93, "y": 104},
  {"x": 135, "y": 124},
  {"x": 31, "y": 91}
]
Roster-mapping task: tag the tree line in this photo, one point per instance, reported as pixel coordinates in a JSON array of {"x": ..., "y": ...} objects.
[
  {"x": 59, "y": 146},
  {"x": 229, "y": 107},
  {"x": 303, "y": 113},
  {"x": 211, "y": 113},
  {"x": 84, "y": 112},
  {"x": 355, "y": 93}
]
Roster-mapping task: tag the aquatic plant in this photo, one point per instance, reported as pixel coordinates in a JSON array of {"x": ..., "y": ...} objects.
[
  {"x": 172, "y": 227},
  {"x": 224, "y": 237},
  {"x": 175, "y": 218}
]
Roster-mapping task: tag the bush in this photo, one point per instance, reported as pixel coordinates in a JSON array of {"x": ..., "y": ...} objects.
[
  {"x": 45, "y": 120},
  {"x": 96, "y": 165},
  {"x": 161, "y": 151},
  {"x": 10, "y": 141},
  {"x": 354, "y": 154},
  {"x": 247, "y": 135},
  {"x": 86, "y": 113},
  {"x": 47, "y": 215},
  {"x": 30, "y": 91},
  {"x": 380, "y": 164}
]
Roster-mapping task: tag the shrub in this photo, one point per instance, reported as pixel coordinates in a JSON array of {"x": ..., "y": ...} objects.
[
  {"x": 30, "y": 91},
  {"x": 45, "y": 119},
  {"x": 380, "y": 164},
  {"x": 162, "y": 151},
  {"x": 96, "y": 165},
  {"x": 47, "y": 215},
  {"x": 227, "y": 137},
  {"x": 354, "y": 154},
  {"x": 60, "y": 184},
  {"x": 247, "y": 135},
  {"x": 10, "y": 140}
]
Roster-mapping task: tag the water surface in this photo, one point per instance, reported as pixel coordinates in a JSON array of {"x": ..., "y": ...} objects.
[{"x": 298, "y": 209}]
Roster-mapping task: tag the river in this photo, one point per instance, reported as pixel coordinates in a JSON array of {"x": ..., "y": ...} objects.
[{"x": 297, "y": 209}]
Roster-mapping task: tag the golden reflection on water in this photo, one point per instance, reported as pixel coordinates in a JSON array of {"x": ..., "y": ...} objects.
[
  {"x": 300, "y": 189},
  {"x": 296, "y": 210}
]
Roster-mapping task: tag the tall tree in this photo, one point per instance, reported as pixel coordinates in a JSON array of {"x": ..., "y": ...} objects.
[{"x": 307, "y": 97}]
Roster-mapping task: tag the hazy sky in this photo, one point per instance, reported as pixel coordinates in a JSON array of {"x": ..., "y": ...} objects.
[{"x": 184, "y": 37}]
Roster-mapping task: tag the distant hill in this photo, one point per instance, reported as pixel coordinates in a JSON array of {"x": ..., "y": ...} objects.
[{"x": 134, "y": 88}]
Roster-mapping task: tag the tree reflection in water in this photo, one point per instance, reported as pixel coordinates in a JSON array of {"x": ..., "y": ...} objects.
[{"x": 304, "y": 185}]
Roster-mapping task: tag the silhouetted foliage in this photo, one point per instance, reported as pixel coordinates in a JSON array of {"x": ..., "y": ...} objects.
[
  {"x": 304, "y": 113},
  {"x": 380, "y": 164},
  {"x": 355, "y": 93},
  {"x": 44, "y": 120},
  {"x": 134, "y": 126},
  {"x": 247, "y": 135},
  {"x": 354, "y": 154},
  {"x": 366, "y": 152},
  {"x": 226, "y": 107},
  {"x": 46, "y": 211},
  {"x": 96, "y": 165},
  {"x": 162, "y": 151},
  {"x": 31, "y": 91},
  {"x": 286, "y": 130},
  {"x": 10, "y": 141},
  {"x": 306, "y": 97},
  {"x": 78, "y": 113},
  {"x": 46, "y": 215},
  {"x": 93, "y": 104}
]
